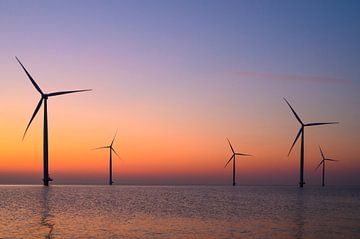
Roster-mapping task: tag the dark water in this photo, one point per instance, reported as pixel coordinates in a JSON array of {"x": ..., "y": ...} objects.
[{"x": 178, "y": 212}]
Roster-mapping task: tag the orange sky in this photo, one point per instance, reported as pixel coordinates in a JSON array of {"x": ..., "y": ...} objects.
[
  {"x": 159, "y": 147},
  {"x": 175, "y": 87}
]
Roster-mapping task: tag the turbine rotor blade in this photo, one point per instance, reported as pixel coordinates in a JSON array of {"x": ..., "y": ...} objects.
[
  {"x": 115, "y": 152},
  {"x": 331, "y": 160},
  {"x": 316, "y": 124},
  {"x": 66, "y": 92},
  {"x": 29, "y": 76},
  {"x": 33, "y": 116},
  {"x": 233, "y": 156},
  {"x": 296, "y": 115},
  {"x": 322, "y": 155},
  {"x": 232, "y": 149},
  {"x": 104, "y": 147},
  {"x": 240, "y": 154},
  {"x": 321, "y": 162},
  {"x": 113, "y": 138},
  {"x": 297, "y": 137}
]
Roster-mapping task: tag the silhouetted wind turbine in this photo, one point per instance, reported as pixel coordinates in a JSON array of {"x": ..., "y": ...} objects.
[
  {"x": 301, "y": 132},
  {"x": 323, "y": 164},
  {"x": 110, "y": 147},
  {"x": 44, "y": 98},
  {"x": 233, "y": 157}
]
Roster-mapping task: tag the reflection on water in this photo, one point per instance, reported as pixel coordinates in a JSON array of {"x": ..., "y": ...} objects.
[
  {"x": 178, "y": 212},
  {"x": 45, "y": 213},
  {"x": 299, "y": 214}
]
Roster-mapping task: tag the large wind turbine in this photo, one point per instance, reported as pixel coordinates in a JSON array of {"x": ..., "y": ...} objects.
[
  {"x": 323, "y": 164},
  {"x": 111, "y": 149},
  {"x": 233, "y": 157},
  {"x": 44, "y": 98},
  {"x": 301, "y": 132}
]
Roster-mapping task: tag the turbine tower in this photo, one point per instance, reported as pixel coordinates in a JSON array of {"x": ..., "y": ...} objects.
[
  {"x": 233, "y": 157},
  {"x": 111, "y": 149},
  {"x": 44, "y": 98},
  {"x": 323, "y": 164},
  {"x": 301, "y": 132}
]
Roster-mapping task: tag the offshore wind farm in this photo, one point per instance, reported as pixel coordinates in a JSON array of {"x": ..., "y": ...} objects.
[{"x": 178, "y": 80}]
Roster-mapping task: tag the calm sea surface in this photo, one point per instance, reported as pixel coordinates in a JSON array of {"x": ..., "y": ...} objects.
[{"x": 179, "y": 212}]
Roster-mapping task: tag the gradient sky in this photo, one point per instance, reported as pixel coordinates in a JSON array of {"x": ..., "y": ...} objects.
[{"x": 176, "y": 78}]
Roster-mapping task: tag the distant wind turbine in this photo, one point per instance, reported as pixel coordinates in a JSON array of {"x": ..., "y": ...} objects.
[
  {"x": 323, "y": 164},
  {"x": 44, "y": 98},
  {"x": 111, "y": 149},
  {"x": 233, "y": 157},
  {"x": 301, "y": 132}
]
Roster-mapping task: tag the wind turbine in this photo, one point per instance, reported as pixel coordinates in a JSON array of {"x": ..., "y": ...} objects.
[
  {"x": 323, "y": 164},
  {"x": 44, "y": 98},
  {"x": 111, "y": 149},
  {"x": 233, "y": 157},
  {"x": 301, "y": 132}
]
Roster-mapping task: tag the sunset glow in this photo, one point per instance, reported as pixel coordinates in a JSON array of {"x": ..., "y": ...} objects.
[{"x": 175, "y": 81}]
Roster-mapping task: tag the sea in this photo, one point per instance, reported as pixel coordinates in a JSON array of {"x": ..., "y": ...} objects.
[{"x": 179, "y": 212}]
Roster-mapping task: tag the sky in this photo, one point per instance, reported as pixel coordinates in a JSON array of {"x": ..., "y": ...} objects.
[{"x": 175, "y": 78}]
